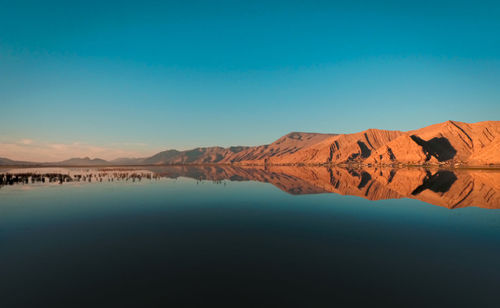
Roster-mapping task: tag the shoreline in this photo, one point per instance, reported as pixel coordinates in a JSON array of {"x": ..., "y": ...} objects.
[{"x": 343, "y": 165}]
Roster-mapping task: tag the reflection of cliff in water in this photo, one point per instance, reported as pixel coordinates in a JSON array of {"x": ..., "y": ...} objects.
[{"x": 448, "y": 188}]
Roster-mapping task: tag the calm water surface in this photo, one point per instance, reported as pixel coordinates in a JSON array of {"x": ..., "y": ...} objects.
[{"x": 190, "y": 238}]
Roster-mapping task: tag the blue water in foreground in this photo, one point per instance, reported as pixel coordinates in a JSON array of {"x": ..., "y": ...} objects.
[{"x": 182, "y": 242}]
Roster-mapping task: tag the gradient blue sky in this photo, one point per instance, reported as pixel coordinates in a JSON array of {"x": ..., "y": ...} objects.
[{"x": 132, "y": 78}]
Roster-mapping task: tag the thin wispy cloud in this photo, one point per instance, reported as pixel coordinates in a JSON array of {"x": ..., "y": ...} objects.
[
  {"x": 25, "y": 141},
  {"x": 137, "y": 144}
]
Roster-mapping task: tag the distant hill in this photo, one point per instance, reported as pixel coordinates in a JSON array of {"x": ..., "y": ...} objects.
[
  {"x": 164, "y": 157},
  {"x": 450, "y": 143},
  {"x": 127, "y": 161},
  {"x": 10, "y": 162},
  {"x": 82, "y": 162}
]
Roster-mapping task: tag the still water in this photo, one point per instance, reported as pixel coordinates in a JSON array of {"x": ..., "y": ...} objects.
[{"x": 193, "y": 236}]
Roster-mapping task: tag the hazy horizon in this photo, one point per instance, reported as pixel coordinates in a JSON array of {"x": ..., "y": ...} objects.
[
  {"x": 57, "y": 152},
  {"x": 60, "y": 152}
]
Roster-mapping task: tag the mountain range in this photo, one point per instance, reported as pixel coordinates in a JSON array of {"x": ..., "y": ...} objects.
[{"x": 448, "y": 143}]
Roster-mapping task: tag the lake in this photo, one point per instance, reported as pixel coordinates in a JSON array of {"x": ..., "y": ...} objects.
[{"x": 249, "y": 236}]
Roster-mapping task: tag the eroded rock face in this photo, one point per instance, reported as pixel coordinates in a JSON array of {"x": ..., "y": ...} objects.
[
  {"x": 341, "y": 148},
  {"x": 489, "y": 154},
  {"x": 449, "y": 143},
  {"x": 403, "y": 149},
  {"x": 280, "y": 150},
  {"x": 445, "y": 143}
]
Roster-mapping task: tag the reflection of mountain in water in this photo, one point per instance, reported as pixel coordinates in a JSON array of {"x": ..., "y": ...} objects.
[{"x": 447, "y": 188}]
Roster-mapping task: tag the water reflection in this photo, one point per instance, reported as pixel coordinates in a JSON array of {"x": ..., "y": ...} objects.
[{"x": 447, "y": 188}]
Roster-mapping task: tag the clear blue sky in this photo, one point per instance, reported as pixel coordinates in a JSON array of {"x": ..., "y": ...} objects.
[{"x": 181, "y": 74}]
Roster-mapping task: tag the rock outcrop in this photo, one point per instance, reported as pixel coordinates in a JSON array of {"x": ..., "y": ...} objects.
[{"x": 445, "y": 143}]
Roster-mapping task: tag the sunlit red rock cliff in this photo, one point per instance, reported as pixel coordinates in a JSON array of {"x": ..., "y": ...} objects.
[{"x": 450, "y": 143}]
